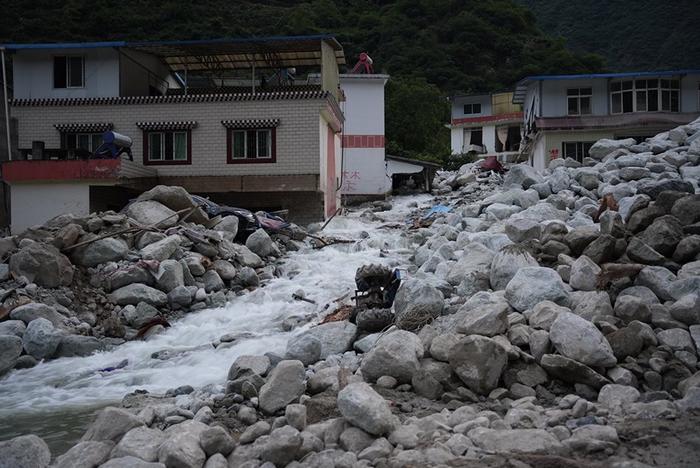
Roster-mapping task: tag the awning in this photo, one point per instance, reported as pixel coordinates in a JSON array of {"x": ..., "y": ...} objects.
[
  {"x": 154, "y": 126},
  {"x": 86, "y": 127},
  {"x": 251, "y": 123}
]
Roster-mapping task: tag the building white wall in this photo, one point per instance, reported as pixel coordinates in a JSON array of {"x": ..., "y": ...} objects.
[
  {"x": 364, "y": 104},
  {"x": 488, "y": 138},
  {"x": 364, "y": 172},
  {"x": 554, "y": 102},
  {"x": 33, "y": 74},
  {"x": 458, "y": 103},
  {"x": 34, "y": 204},
  {"x": 456, "y": 139}
]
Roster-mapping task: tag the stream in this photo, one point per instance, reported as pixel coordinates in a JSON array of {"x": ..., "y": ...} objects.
[{"x": 56, "y": 399}]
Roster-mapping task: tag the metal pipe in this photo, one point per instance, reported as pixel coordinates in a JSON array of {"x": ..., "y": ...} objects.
[{"x": 7, "y": 105}]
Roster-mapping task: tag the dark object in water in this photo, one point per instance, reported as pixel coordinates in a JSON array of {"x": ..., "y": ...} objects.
[
  {"x": 150, "y": 324},
  {"x": 121, "y": 365}
]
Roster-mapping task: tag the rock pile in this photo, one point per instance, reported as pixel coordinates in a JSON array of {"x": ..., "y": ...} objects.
[
  {"x": 547, "y": 309},
  {"x": 81, "y": 284}
]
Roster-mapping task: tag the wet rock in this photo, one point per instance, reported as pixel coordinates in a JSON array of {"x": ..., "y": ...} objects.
[
  {"x": 416, "y": 304},
  {"x": 686, "y": 209},
  {"x": 41, "y": 339},
  {"x": 136, "y": 293},
  {"x": 478, "y": 361},
  {"x": 141, "y": 442},
  {"x": 105, "y": 250},
  {"x": 34, "y": 310},
  {"x": 335, "y": 337},
  {"x": 577, "y": 338},
  {"x": 363, "y": 407},
  {"x": 10, "y": 351},
  {"x": 111, "y": 424},
  {"x": 532, "y": 285},
  {"x": 256, "y": 364},
  {"x": 27, "y": 451},
  {"x": 507, "y": 262},
  {"x": 78, "y": 345},
  {"x": 625, "y": 342},
  {"x": 151, "y": 213},
  {"x": 42, "y": 264},
  {"x": 85, "y": 454},
  {"x": 261, "y": 244},
  {"x": 284, "y": 385},
  {"x": 395, "y": 354}
]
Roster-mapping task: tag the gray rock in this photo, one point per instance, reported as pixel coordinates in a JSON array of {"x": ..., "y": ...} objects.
[
  {"x": 305, "y": 348},
  {"x": 41, "y": 339},
  {"x": 170, "y": 275},
  {"x": 42, "y": 264},
  {"x": 523, "y": 229},
  {"x": 151, "y": 213},
  {"x": 34, "y": 310},
  {"x": 128, "y": 275},
  {"x": 584, "y": 274},
  {"x": 12, "y": 327},
  {"x": 640, "y": 252},
  {"x": 571, "y": 371},
  {"x": 10, "y": 351},
  {"x": 604, "y": 147},
  {"x": 27, "y": 451},
  {"x": 130, "y": 462},
  {"x": 658, "y": 279},
  {"x": 686, "y": 309},
  {"x": 417, "y": 304},
  {"x": 479, "y": 362},
  {"x": 284, "y": 385},
  {"x": 248, "y": 277},
  {"x": 141, "y": 442},
  {"x": 111, "y": 424},
  {"x": 507, "y": 262},
  {"x": 539, "y": 344},
  {"x": 532, "y": 285},
  {"x": 212, "y": 281},
  {"x": 516, "y": 441},
  {"x": 579, "y": 238},
  {"x": 281, "y": 446},
  {"x": 295, "y": 415},
  {"x": 228, "y": 224},
  {"x": 686, "y": 209},
  {"x": 522, "y": 175},
  {"x": 216, "y": 439},
  {"x": 147, "y": 238},
  {"x": 687, "y": 249},
  {"x": 105, "y": 250},
  {"x": 476, "y": 259},
  {"x": 441, "y": 345},
  {"x": 625, "y": 341},
  {"x": 395, "y": 354},
  {"x": 614, "y": 395},
  {"x": 380, "y": 448},
  {"x": 677, "y": 339},
  {"x": 261, "y": 244},
  {"x": 135, "y": 293},
  {"x": 181, "y": 447},
  {"x": 335, "y": 337},
  {"x": 544, "y": 314},
  {"x": 254, "y": 431},
  {"x": 225, "y": 269},
  {"x": 654, "y": 187},
  {"x": 216, "y": 461},
  {"x": 140, "y": 315},
  {"x": 628, "y": 205},
  {"x": 361, "y": 406},
  {"x": 78, "y": 345},
  {"x": 85, "y": 454},
  {"x": 354, "y": 439},
  {"x": 630, "y": 308},
  {"x": 181, "y": 295},
  {"x": 256, "y": 364},
  {"x": 602, "y": 249},
  {"x": 162, "y": 249},
  {"x": 663, "y": 235},
  {"x": 577, "y": 338},
  {"x": 487, "y": 316},
  {"x": 177, "y": 199}
]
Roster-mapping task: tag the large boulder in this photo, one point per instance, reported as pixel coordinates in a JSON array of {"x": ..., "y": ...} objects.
[
  {"x": 604, "y": 147},
  {"x": 78, "y": 345},
  {"x": 578, "y": 339},
  {"x": 532, "y": 285},
  {"x": 177, "y": 199},
  {"x": 228, "y": 224},
  {"x": 395, "y": 354},
  {"x": 91, "y": 453},
  {"x": 249, "y": 363},
  {"x": 42, "y": 264},
  {"x": 663, "y": 235},
  {"x": 361, "y": 406},
  {"x": 10, "y": 351},
  {"x": 111, "y": 424},
  {"x": 479, "y": 362},
  {"x": 417, "y": 304},
  {"x": 34, "y": 310},
  {"x": 522, "y": 229},
  {"x": 483, "y": 314},
  {"x": 284, "y": 386},
  {"x": 335, "y": 337},
  {"x": 135, "y": 293},
  {"x": 584, "y": 274},
  {"x": 161, "y": 249},
  {"x": 522, "y": 175},
  {"x": 41, "y": 339},
  {"x": 516, "y": 441},
  {"x": 27, "y": 451},
  {"x": 305, "y": 348},
  {"x": 476, "y": 259},
  {"x": 105, "y": 250},
  {"x": 141, "y": 442},
  {"x": 152, "y": 213},
  {"x": 170, "y": 275},
  {"x": 261, "y": 244},
  {"x": 507, "y": 262},
  {"x": 687, "y": 209},
  {"x": 181, "y": 447},
  {"x": 571, "y": 371}
]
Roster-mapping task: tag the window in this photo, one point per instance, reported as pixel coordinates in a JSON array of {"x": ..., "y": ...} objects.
[
  {"x": 84, "y": 141},
  {"x": 472, "y": 109},
  {"x": 576, "y": 150},
  {"x": 68, "y": 72},
  {"x": 167, "y": 147},
  {"x": 579, "y": 101},
  {"x": 254, "y": 145},
  {"x": 644, "y": 96}
]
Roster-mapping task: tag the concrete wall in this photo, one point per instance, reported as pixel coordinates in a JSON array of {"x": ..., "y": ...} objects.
[
  {"x": 34, "y": 204},
  {"x": 459, "y": 102},
  {"x": 33, "y": 74},
  {"x": 554, "y": 103},
  {"x": 297, "y": 134}
]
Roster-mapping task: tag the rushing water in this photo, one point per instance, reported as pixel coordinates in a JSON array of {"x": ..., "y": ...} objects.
[{"x": 56, "y": 398}]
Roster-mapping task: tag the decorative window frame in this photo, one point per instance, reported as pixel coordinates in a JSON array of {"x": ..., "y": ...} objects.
[
  {"x": 250, "y": 125},
  {"x": 149, "y": 128}
]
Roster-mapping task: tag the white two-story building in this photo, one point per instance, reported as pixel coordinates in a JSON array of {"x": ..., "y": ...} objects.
[
  {"x": 232, "y": 119},
  {"x": 564, "y": 115}
]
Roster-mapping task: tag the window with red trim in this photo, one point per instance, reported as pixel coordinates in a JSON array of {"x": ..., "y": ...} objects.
[
  {"x": 165, "y": 147},
  {"x": 251, "y": 145}
]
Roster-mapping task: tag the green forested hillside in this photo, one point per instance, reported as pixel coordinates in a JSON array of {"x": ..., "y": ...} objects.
[
  {"x": 631, "y": 35},
  {"x": 430, "y": 47}
]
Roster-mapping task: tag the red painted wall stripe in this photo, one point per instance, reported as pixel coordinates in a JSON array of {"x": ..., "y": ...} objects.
[
  {"x": 363, "y": 141},
  {"x": 25, "y": 171}
]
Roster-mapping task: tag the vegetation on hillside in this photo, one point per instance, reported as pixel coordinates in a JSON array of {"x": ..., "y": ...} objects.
[{"x": 430, "y": 47}]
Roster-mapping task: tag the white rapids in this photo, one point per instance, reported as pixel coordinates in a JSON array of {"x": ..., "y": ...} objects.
[{"x": 75, "y": 384}]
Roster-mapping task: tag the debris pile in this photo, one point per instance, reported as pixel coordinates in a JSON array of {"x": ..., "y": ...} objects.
[
  {"x": 78, "y": 285},
  {"x": 543, "y": 311}
]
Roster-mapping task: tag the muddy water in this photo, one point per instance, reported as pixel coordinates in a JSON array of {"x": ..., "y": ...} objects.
[{"x": 57, "y": 399}]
